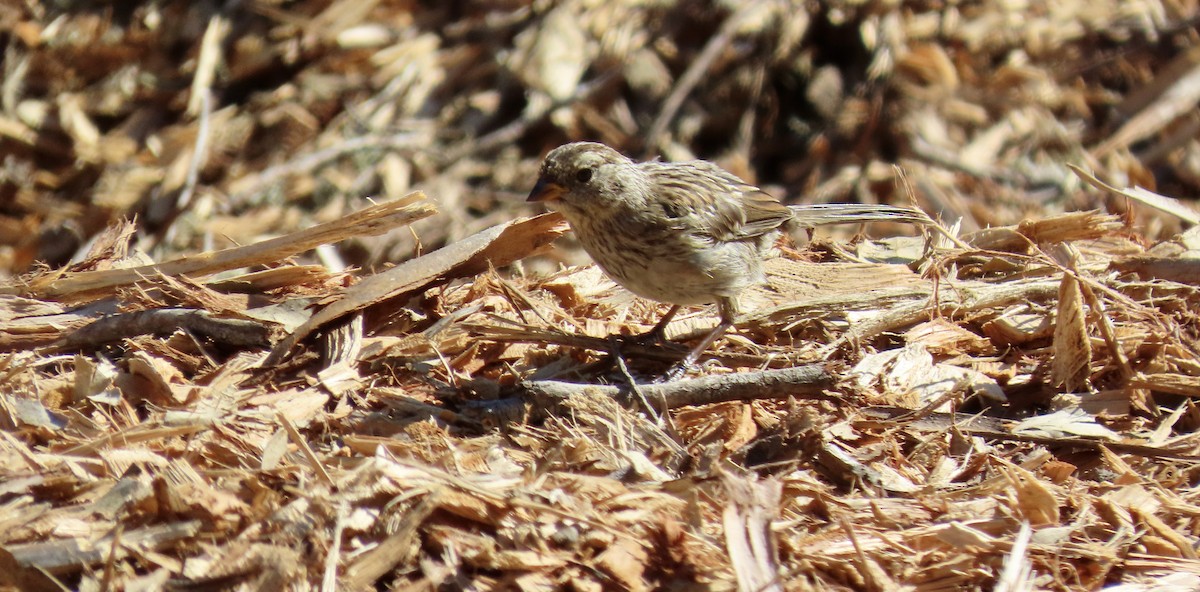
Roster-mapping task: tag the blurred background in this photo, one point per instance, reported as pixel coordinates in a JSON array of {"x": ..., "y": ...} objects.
[{"x": 223, "y": 123}]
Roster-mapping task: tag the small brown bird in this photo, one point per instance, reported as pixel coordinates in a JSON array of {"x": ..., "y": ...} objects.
[{"x": 680, "y": 233}]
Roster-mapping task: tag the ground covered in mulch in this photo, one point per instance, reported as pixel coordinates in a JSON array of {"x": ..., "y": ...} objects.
[{"x": 274, "y": 313}]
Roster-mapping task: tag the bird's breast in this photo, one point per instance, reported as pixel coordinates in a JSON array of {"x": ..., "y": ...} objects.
[{"x": 662, "y": 260}]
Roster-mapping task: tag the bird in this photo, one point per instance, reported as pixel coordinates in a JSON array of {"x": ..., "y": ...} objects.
[{"x": 681, "y": 233}]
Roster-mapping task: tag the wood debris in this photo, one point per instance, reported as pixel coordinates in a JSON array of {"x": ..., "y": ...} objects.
[{"x": 275, "y": 314}]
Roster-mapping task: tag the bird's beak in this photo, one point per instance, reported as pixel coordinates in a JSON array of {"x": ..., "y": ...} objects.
[{"x": 546, "y": 191}]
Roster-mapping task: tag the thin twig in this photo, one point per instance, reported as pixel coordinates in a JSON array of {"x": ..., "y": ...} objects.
[
  {"x": 513, "y": 130},
  {"x": 199, "y": 152},
  {"x": 544, "y": 396},
  {"x": 298, "y": 439},
  {"x": 165, "y": 321},
  {"x": 631, "y": 383},
  {"x": 306, "y": 163},
  {"x": 666, "y": 352},
  {"x": 199, "y": 157},
  {"x": 695, "y": 72},
  {"x": 333, "y": 559}
]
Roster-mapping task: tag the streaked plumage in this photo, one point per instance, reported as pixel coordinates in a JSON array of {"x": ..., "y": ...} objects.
[{"x": 681, "y": 233}]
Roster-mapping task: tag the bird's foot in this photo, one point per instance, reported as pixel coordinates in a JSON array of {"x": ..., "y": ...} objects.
[
  {"x": 679, "y": 369},
  {"x": 657, "y": 335},
  {"x": 637, "y": 341},
  {"x": 675, "y": 372},
  {"x": 616, "y": 356},
  {"x": 650, "y": 338}
]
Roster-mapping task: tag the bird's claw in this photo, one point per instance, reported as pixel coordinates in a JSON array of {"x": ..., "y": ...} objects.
[
  {"x": 647, "y": 339},
  {"x": 675, "y": 372}
]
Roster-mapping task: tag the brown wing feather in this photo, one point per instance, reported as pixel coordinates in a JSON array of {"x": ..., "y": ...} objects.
[{"x": 721, "y": 205}]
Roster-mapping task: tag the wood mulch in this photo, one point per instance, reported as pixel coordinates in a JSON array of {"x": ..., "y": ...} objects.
[{"x": 274, "y": 313}]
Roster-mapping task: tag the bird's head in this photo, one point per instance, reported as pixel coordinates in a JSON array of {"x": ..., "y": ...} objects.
[{"x": 585, "y": 177}]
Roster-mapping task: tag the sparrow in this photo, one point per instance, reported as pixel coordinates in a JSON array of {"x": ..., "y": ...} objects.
[{"x": 682, "y": 233}]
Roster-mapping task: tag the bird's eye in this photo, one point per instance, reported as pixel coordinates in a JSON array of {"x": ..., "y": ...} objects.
[{"x": 583, "y": 175}]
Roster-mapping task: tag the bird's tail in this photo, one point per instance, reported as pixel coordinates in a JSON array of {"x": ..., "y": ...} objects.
[{"x": 810, "y": 215}]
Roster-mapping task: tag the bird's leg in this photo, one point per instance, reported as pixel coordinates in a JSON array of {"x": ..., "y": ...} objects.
[
  {"x": 651, "y": 337},
  {"x": 728, "y": 313},
  {"x": 659, "y": 332},
  {"x": 728, "y": 310}
]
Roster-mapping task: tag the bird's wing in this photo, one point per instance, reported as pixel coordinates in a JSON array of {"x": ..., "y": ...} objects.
[{"x": 720, "y": 205}]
